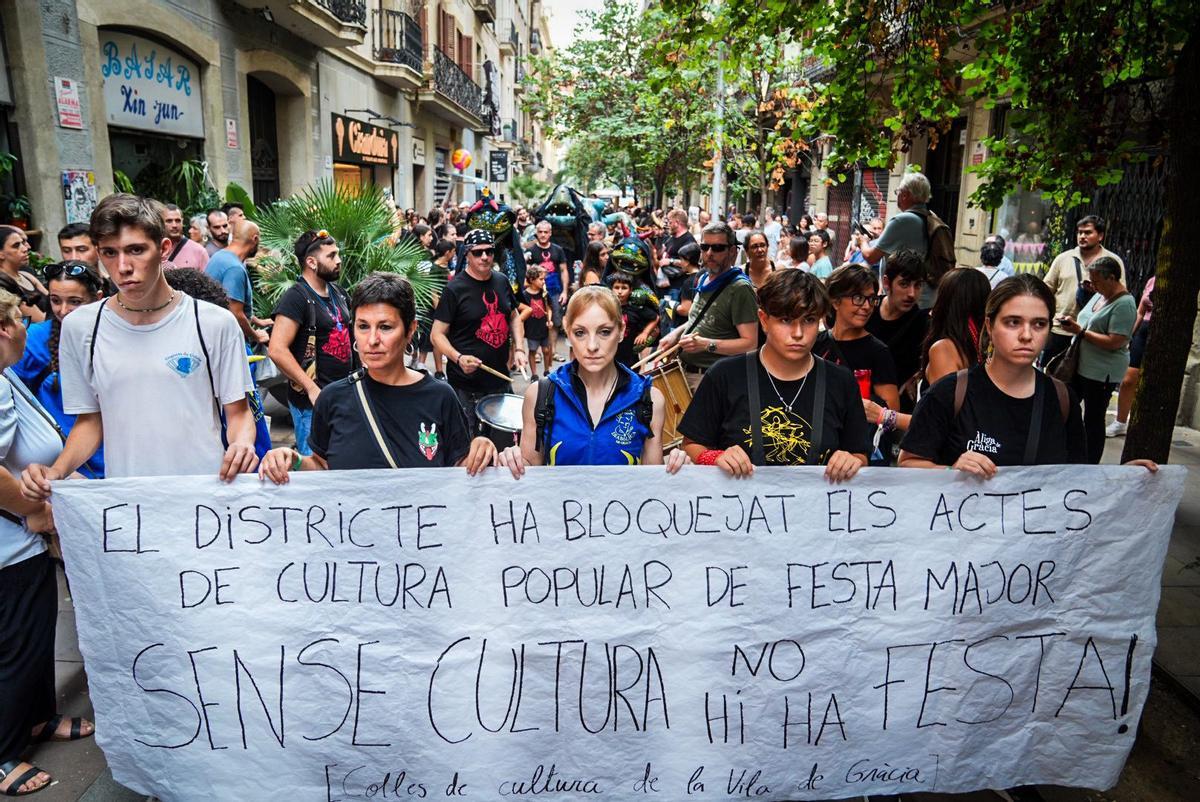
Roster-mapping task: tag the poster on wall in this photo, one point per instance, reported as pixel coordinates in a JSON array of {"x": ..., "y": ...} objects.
[
  {"x": 79, "y": 194},
  {"x": 498, "y": 166},
  {"x": 66, "y": 95},
  {"x": 150, "y": 87}
]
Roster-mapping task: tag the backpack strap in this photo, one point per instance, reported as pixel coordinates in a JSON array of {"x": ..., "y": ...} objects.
[
  {"x": 645, "y": 405},
  {"x": 92, "y": 344},
  {"x": 960, "y": 390},
  {"x": 818, "y": 413},
  {"x": 1034, "y": 437},
  {"x": 754, "y": 408},
  {"x": 1064, "y": 398},
  {"x": 543, "y": 416},
  {"x": 212, "y": 386},
  {"x": 1078, "y": 271}
]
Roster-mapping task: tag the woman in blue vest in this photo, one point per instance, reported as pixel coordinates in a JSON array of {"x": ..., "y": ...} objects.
[
  {"x": 72, "y": 284},
  {"x": 593, "y": 410}
]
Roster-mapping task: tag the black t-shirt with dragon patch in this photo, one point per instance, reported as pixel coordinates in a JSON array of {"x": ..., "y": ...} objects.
[{"x": 719, "y": 416}]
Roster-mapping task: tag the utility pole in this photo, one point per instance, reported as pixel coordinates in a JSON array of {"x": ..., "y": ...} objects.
[{"x": 716, "y": 201}]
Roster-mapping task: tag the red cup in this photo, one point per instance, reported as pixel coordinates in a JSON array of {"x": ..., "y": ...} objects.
[{"x": 863, "y": 377}]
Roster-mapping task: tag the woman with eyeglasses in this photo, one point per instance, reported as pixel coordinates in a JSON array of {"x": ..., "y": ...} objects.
[
  {"x": 782, "y": 404},
  {"x": 14, "y": 275},
  {"x": 386, "y": 415},
  {"x": 848, "y": 343},
  {"x": 759, "y": 266},
  {"x": 72, "y": 284}
]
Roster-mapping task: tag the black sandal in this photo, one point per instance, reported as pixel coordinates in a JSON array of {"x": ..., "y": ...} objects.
[
  {"x": 48, "y": 732},
  {"x": 8, "y": 768}
]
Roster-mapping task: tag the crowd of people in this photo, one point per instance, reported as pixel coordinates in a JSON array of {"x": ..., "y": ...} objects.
[{"x": 132, "y": 357}]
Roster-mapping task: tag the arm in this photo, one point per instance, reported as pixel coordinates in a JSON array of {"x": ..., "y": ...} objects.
[
  {"x": 564, "y": 276},
  {"x": 517, "y": 458},
  {"x": 13, "y": 499},
  {"x": 1108, "y": 342},
  {"x": 86, "y": 436},
  {"x": 911, "y": 460},
  {"x": 520, "y": 355},
  {"x": 872, "y": 253},
  {"x": 251, "y": 334},
  {"x": 277, "y": 462},
  {"x": 746, "y": 340},
  {"x": 439, "y": 336},
  {"x": 239, "y": 429},
  {"x": 645, "y": 334},
  {"x": 280, "y": 350},
  {"x": 525, "y": 310}
]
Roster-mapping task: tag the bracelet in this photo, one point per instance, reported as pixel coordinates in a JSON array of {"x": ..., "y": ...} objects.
[
  {"x": 710, "y": 456},
  {"x": 882, "y": 416},
  {"x": 889, "y": 420},
  {"x": 520, "y": 351},
  {"x": 297, "y": 461}
]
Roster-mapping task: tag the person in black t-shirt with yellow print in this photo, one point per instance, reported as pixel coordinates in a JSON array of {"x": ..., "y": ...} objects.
[
  {"x": 386, "y": 415},
  {"x": 781, "y": 405}
]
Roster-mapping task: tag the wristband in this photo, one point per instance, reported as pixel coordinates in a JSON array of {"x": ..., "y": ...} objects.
[
  {"x": 297, "y": 461},
  {"x": 882, "y": 416},
  {"x": 710, "y": 456}
]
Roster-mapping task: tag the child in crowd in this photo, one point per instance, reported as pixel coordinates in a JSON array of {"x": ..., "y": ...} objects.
[
  {"x": 534, "y": 309},
  {"x": 639, "y": 312}
]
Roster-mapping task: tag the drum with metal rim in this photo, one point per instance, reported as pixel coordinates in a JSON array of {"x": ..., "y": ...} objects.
[
  {"x": 500, "y": 418},
  {"x": 671, "y": 381}
]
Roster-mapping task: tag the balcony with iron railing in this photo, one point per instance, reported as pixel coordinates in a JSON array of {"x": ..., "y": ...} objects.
[
  {"x": 398, "y": 48},
  {"x": 453, "y": 94},
  {"x": 485, "y": 10},
  {"x": 510, "y": 40},
  {"x": 511, "y": 131},
  {"x": 325, "y": 23}
]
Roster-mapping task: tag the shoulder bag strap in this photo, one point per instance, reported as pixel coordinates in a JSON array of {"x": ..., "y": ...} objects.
[
  {"x": 212, "y": 385},
  {"x": 818, "y": 413},
  {"x": 1035, "y": 426},
  {"x": 754, "y": 408},
  {"x": 366, "y": 408},
  {"x": 175, "y": 251},
  {"x": 1064, "y": 398},
  {"x": 18, "y": 386},
  {"x": 1078, "y": 271},
  {"x": 695, "y": 324}
]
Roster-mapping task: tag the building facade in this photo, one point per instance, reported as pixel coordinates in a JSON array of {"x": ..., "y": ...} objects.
[{"x": 270, "y": 94}]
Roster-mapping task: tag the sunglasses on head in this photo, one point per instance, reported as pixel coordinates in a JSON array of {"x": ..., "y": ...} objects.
[
  {"x": 481, "y": 252},
  {"x": 320, "y": 238},
  {"x": 705, "y": 246},
  {"x": 67, "y": 270}
]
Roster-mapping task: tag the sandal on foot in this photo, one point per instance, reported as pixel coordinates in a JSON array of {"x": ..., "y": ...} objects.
[
  {"x": 49, "y": 732},
  {"x": 6, "y": 769}
]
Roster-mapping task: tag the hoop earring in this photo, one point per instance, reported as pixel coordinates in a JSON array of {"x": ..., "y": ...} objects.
[
  {"x": 410, "y": 349},
  {"x": 354, "y": 347}
]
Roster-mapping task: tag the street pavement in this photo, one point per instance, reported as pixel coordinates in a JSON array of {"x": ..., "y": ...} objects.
[{"x": 1158, "y": 771}]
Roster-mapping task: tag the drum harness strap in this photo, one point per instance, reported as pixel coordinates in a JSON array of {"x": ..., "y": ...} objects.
[
  {"x": 543, "y": 413},
  {"x": 755, "y": 410}
]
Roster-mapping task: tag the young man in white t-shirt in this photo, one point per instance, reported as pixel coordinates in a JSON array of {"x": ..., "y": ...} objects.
[{"x": 141, "y": 370}]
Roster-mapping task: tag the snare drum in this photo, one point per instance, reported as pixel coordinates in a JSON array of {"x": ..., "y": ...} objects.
[
  {"x": 671, "y": 381},
  {"x": 500, "y": 418}
]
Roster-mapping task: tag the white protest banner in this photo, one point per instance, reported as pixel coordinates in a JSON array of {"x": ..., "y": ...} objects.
[{"x": 617, "y": 633}]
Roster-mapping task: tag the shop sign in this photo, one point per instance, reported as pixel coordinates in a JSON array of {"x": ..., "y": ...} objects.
[
  {"x": 356, "y": 142},
  {"x": 150, "y": 87},
  {"x": 66, "y": 94},
  {"x": 498, "y": 166},
  {"x": 418, "y": 152},
  {"x": 231, "y": 135}
]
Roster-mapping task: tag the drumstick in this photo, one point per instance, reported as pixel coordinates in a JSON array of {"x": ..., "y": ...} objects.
[
  {"x": 665, "y": 352},
  {"x": 495, "y": 372}
]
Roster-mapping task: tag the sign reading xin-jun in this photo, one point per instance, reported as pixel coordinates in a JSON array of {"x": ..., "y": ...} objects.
[
  {"x": 150, "y": 87},
  {"x": 617, "y": 633}
]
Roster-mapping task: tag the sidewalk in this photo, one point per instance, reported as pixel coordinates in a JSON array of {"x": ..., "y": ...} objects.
[{"x": 80, "y": 772}]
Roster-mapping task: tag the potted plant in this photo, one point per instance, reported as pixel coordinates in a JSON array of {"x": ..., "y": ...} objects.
[{"x": 18, "y": 211}]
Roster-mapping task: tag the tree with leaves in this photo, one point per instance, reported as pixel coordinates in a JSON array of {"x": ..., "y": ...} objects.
[{"x": 898, "y": 71}]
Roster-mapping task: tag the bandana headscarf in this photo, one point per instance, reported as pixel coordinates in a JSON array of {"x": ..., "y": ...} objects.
[{"x": 478, "y": 236}]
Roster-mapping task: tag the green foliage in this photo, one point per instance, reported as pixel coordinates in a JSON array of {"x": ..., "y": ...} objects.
[
  {"x": 891, "y": 74},
  {"x": 525, "y": 189},
  {"x": 122, "y": 182},
  {"x": 361, "y": 222},
  {"x": 236, "y": 193},
  {"x": 186, "y": 184}
]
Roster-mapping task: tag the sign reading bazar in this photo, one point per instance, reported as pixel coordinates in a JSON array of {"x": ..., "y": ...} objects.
[
  {"x": 617, "y": 633},
  {"x": 150, "y": 87},
  {"x": 356, "y": 142}
]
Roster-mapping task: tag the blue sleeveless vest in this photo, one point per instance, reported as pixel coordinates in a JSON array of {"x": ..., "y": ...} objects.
[{"x": 618, "y": 437}]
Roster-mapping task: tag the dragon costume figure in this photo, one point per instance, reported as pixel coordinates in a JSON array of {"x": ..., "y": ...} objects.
[{"x": 499, "y": 220}]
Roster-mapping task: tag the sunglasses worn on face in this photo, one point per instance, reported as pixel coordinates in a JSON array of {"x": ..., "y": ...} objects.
[
  {"x": 709, "y": 247},
  {"x": 482, "y": 252}
]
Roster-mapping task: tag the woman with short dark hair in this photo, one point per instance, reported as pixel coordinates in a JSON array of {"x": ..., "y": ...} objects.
[
  {"x": 14, "y": 275},
  {"x": 1104, "y": 327},
  {"x": 385, "y": 415},
  {"x": 781, "y": 404}
]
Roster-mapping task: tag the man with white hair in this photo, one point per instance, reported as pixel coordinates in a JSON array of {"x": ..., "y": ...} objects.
[
  {"x": 821, "y": 221},
  {"x": 906, "y": 230}
]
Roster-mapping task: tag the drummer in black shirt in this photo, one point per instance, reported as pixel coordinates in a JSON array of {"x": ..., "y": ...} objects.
[
  {"x": 475, "y": 318},
  {"x": 386, "y": 415},
  {"x": 736, "y": 424}
]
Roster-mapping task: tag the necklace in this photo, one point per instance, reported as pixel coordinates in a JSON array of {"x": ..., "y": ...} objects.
[
  {"x": 158, "y": 308},
  {"x": 778, "y": 394}
]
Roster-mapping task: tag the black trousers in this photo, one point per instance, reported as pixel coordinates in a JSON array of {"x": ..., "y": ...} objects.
[
  {"x": 1095, "y": 396},
  {"x": 28, "y": 617}
]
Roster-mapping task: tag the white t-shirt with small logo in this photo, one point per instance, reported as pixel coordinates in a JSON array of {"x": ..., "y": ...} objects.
[{"x": 150, "y": 385}]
